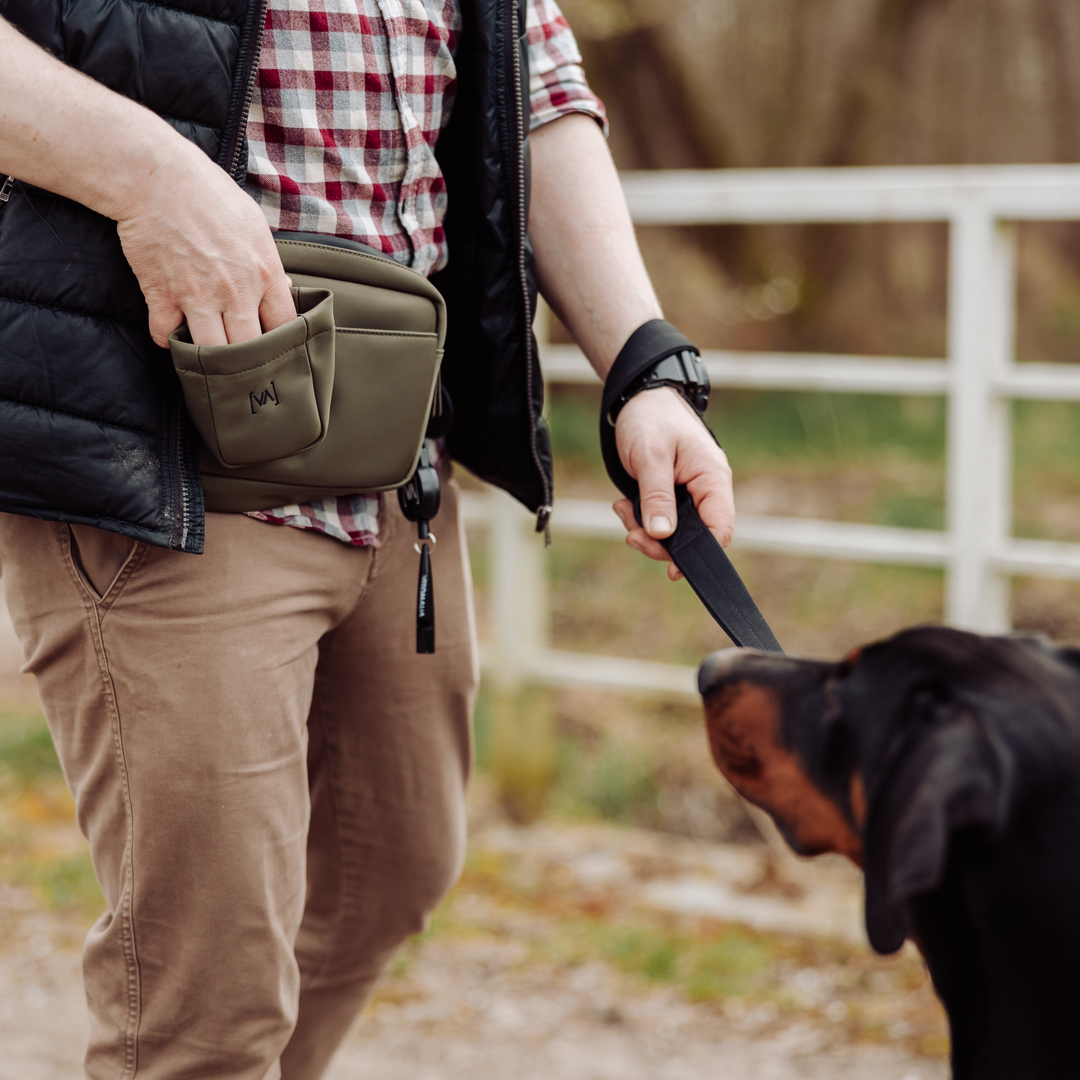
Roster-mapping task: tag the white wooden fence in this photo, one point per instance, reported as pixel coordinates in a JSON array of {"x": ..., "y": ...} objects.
[{"x": 981, "y": 205}]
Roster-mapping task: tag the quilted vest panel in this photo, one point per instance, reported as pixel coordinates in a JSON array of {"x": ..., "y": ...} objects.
[{"x": 92, "y": 425}]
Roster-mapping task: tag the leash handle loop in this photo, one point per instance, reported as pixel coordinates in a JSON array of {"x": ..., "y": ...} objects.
[{"x": 692, "y": 547}]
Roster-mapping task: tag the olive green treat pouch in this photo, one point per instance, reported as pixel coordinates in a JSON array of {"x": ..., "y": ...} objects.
[
  {"x": 388, "y": 329},
  {"x": 267, "y": 398}
]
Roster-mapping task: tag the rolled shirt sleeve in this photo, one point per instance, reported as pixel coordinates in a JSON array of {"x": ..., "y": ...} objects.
[{"x": 557, "y": 83}]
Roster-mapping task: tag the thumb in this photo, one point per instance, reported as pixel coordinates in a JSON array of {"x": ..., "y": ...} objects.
[{"x": 656, "y": 481}]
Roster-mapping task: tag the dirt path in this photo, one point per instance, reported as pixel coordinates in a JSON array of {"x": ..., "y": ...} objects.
[
  {"x": 42, "y": 1008},
  {"x": 478, "y": 1012},
  {"x": 468, "y": 1008},
  {"x": 488, "y": 993}
]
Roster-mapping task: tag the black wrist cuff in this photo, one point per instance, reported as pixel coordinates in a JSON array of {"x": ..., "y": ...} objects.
[
  {"x": 649, "y": 345},
  {"x": 646, "y": 347}
]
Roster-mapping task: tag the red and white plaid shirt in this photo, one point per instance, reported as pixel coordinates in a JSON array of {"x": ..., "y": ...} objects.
[{"x": 350, "y": 99}]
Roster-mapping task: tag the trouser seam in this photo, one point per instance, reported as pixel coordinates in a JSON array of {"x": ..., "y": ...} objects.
[
  {"x": 125, "y": 907},
  {"x": 333, "y": 749},
  {"x": 333, "y": 756}
]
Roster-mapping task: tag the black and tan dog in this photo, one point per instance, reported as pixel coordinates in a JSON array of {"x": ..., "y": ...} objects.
[{"x": 947, "y": 765}]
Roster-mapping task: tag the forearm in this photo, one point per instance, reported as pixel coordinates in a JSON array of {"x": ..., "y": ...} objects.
[
  {"x": 592, "y": 274},
  {"x": 68, "y": 134},
  {"x": 200, "y": 247},
  {"x": 590, "y": 269}
]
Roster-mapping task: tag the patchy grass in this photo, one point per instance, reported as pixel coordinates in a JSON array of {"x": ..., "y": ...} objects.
[
  {"x": 65, "y": 881},
  {"x": 26, "y": 748},
  {"x": 607, "y": 781},
  {"x": 39, "y": 844},
  {"x": 743, "y": 973},
  {"x": 631, "y": 761}
]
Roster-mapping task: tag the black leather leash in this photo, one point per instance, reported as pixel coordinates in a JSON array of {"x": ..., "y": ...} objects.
[{"x": 693, "y": 549}]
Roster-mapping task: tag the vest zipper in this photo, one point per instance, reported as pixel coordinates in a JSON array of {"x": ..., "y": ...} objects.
[
  {"x": 543, "y": 514},
  {"x": 229, "y": 160},
  {"x": 5, "y": 192},
  {"x": 181, "y": 489},
  {"x": 251, "y": 64}
]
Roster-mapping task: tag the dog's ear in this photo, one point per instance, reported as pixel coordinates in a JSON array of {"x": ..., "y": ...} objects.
[{"x": 955, "y": 776}]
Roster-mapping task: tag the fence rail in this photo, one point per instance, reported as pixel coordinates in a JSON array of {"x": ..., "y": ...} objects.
[{"x": 979, "y": 377}]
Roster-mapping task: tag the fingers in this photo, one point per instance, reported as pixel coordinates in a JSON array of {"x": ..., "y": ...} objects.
[
  {"x": 207, "y": 328},
  {"x": 277, "y": 307},
  {"x": 164, "y": 319},
  {"x": 662, "y": 443},
  {"x": 241, "y": 325},
  {"x": 242, "y": 320},
  {"x": 647, "y": 446},
  {"x": 714, "y": 498},
  {"x": 636, "y": 536},
  {"x": 640, "y": 540},
  {"x": 274, "y": 309}
]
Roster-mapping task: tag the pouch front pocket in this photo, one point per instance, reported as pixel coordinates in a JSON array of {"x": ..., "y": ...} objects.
[{"x": 264, "y": 399}]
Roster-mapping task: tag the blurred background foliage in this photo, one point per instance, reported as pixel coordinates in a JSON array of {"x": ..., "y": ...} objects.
[
  {"x": 708, "y": 84},
  {"x": 789, "y": 83}
]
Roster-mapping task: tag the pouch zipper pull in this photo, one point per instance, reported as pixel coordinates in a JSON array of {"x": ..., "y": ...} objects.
[
  {"x": 425, "y": 594},
  {"x": 5, "y": 188},
  {"x": 419, "y": 501}
]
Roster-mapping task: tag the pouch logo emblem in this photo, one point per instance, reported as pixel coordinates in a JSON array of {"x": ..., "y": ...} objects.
[{"x": 258, "y": 400}]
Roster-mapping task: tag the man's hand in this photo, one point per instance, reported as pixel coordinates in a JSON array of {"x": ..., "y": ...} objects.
[
  {"x": 199, "y": 245},
  {"x": 202, "y": 252},
  {"x": 663, "y": 443}
]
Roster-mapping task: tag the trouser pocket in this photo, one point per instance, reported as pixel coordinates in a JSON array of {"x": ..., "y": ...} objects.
[{"x": 99, "y": 556}]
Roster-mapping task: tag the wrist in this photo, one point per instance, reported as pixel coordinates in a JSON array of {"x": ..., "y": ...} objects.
[
  {"x": 651, "y": 343},
  {"x": 153, "y": 152},
  {"x": 656, "y": 355}
]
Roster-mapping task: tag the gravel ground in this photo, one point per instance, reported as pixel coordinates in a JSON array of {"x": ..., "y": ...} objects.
[
  {"x": 42, "y": 1008},
  {"x": 467, "y": 1008},
  {"x": 476, "y": 999},
  {"x": 535, "y": 1022}
]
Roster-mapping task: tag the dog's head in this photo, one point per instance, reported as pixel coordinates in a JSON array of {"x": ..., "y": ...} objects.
[{"x": 886, "y": 754}]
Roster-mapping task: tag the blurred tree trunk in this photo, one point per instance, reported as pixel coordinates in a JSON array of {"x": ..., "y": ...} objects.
[
  {"x": 766, "y": 83},
  {"x": 775, "y": 83}
]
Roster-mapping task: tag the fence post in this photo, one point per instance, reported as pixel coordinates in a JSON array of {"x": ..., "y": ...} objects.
[
  {"x": 982, "y": 310},
  {"x": 523, "y": 754},
  {"x": 518, "y": 593}
]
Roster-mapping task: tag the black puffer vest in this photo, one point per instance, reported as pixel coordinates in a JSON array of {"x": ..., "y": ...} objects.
[{"x": 92, "y": 423}]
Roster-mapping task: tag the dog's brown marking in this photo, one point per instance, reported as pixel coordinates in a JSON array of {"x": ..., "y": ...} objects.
[
  {"x": 853, "y": 655},
  {"x": 857, "y": 794},
  {"x": 743, "y": 722}
]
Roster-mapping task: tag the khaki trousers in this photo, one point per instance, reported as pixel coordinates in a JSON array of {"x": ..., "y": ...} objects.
[{"x": 270, "y": 778}]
